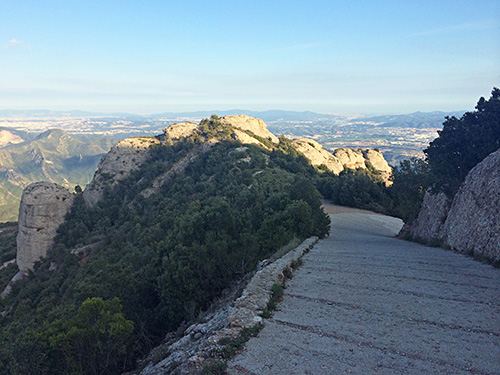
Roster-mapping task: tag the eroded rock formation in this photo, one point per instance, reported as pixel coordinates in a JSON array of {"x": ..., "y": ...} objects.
[
  {"x": 43, "y": 208},
  {"x": 471, "y": 222},
  {"x": 350, "y": 158},
  {"x": 317, "y": 155},
  {"x": 255, "y": 125},
  {"x": 343, "y": 158}
]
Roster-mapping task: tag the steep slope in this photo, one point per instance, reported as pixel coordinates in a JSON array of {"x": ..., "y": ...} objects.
[
  {"x": 53, "y": 156},
  {"x": 128, "y": 267}
]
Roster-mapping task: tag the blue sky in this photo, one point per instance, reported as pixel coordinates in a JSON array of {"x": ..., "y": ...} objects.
[{"x": 325, "y": 56}]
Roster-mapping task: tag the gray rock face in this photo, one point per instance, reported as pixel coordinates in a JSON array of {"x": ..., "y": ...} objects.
[
  {"x": 429, "y": 224},
  {"x": 42, "y": 209},
  {"x": 473, "y": 223}
]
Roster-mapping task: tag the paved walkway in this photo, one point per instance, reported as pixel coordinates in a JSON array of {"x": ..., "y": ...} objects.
[{"x": 366, "y": 303}]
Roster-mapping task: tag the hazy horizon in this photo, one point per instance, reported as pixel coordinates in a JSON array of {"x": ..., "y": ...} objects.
[{"x": 334, "y": 57}]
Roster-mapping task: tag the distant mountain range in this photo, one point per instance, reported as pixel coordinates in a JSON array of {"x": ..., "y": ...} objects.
[{"x": 416, "y": 119}]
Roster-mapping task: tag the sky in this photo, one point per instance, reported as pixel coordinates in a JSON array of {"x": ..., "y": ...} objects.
[{"x": 154, "y": 56}]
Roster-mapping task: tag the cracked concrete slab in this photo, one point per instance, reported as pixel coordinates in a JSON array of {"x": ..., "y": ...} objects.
[{"x": 366, "y": 303}]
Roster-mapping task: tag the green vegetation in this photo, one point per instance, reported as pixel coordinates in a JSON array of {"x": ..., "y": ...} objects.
[
  {"x": 232, "y": 346},
  {"x": 8, "y": 234},
  {"x": 463, "y": 143},
  {"x": 360, "y": 188},
  {"x": 410, "y": 182},
  {"x": 156, "y": 261}
]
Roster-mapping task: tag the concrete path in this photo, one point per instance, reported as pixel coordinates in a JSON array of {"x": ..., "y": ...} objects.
[{"x": 366, "y": 303}]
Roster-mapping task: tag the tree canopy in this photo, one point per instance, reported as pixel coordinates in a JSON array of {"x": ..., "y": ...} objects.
[{"x": 463, "y": 143}]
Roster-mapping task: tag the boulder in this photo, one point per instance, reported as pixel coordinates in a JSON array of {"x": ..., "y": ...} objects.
[{"x": 43, "y": 208}]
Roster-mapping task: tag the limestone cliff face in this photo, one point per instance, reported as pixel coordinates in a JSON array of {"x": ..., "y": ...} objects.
[
  {"x": 317, "y": 155},
  {"x": 471, "y": 222},
  {"x": 117, "y": 164},
  {"x": 42, "y": 209},
  {"x": 255, "y": 125}
]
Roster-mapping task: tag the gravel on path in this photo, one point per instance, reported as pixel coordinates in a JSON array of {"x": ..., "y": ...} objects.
[{"x": 365, "y": 302}]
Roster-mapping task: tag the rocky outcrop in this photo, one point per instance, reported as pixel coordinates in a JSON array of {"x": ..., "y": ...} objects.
[
  {"x": 248, "y": 123},
  {"x": 43, "y": 208},
  {"x": 350, "y": 158},
  {"x": 378, "y": 162},
  {"x": 180, "y": 129},
  {"x": 117, "y": 164},
  {"x": 429, "y": 225},
  {"x": 343, "y": 158},
  {"x": 317, "y": 155},
  {"x": 471, "y": 222}
]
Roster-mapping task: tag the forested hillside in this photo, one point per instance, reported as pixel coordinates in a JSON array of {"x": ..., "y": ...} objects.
[{"x": 132, "y": 267}]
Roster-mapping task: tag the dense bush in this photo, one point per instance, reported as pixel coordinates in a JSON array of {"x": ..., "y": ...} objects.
[
  {"x": 463, "y": 143},
  {"x": 356, "y": 188}
]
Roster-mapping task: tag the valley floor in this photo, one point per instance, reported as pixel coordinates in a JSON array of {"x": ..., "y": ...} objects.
[{"x": 365, "y": 303}]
